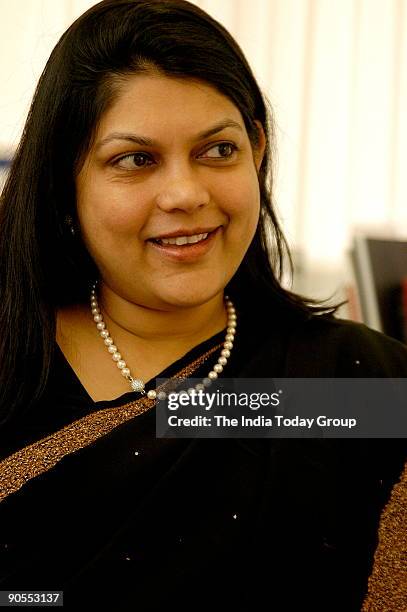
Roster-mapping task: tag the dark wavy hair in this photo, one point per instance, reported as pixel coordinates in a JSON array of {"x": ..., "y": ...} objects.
[{"x": 41, "y": 266}]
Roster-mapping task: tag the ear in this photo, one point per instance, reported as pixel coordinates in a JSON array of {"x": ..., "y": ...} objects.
[{"x": 260, "y": 147}]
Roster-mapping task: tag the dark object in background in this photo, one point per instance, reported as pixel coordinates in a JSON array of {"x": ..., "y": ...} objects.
[{"x": 380, "y": 267}]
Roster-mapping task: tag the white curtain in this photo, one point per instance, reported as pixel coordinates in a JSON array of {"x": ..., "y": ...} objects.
[{"x": 335, "y": 73}]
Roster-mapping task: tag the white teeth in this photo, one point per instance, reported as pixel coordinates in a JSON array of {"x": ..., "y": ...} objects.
[{"x": 180, "y": 240}]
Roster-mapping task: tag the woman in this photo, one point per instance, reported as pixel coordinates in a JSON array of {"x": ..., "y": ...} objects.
[{"x": 148, "y": 126}]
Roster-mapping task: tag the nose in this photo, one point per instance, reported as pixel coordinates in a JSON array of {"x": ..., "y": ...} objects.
[{"x": 181, "y": 188}]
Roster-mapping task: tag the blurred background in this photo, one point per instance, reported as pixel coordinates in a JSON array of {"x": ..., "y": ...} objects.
[{"x": 335, "y": 73}]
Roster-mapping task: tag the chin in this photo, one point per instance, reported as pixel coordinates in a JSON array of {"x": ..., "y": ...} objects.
[
  {"x": 191, "y": 289},
  {"x": 188, "y": 297}
]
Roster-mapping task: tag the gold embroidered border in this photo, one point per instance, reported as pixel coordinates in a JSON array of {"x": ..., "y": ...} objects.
[
  {"x": 387, "y": 585},
  {"x": 41, "y": 456}
]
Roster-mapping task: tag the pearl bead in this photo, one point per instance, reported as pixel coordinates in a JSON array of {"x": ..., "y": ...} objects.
[
  {"x": 152, "y": 394},
  {"x": 228, "y": 345},
  {"x": 108, "y": 341},
  {"x": 112, "y": 348},
  {"x": 232, "y": 317},
  {"x": 232, "y": 328},
  {"x": 161, "y": 395},
  {"x": 191, "y": 391},
  {"x": 230, "y": 337},
  {"x": 212, "y": 375},
  {"x": 97, "y": 318},
  {"x": 207, "y": 382},
  {"x": 116, "y": 356},
  {"x": 95, "y": 311},
  {"x": 126, "y": 372},
  {"x": 222, "y": 360},
  {"x": 104, "y": 333},
  {"x": 121, "y": 364},
  {"x": 101, "y": 325},
  {"x": 218, "y": 368},
  {"x": 200, "y": 387},
  {"x": 225, "y": 353}
]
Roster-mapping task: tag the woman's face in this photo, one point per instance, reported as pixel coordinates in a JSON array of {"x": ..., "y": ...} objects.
[{"x": 170, "y": 156}]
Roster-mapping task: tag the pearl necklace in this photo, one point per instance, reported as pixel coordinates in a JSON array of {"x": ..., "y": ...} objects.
[{"x": 138, "y": 385}]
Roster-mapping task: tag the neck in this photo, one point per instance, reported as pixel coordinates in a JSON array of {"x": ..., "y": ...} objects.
[{"x": 184, "y": 326}]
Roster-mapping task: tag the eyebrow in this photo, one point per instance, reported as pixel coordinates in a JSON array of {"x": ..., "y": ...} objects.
[{"x": 149, "y": 142}]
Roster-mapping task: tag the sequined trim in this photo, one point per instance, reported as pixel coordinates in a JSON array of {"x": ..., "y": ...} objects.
[
  {"x": 43, "y": 455},
  {"x": 388, "y": 581}
]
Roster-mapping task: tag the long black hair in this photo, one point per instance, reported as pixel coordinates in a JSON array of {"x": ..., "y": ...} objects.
[{"x": 41, "y": 266}]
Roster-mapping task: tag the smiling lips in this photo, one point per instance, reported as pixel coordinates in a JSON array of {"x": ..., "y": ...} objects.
[
  {"x": 181, "y": 240},
  {"x": 184, "y": 236},
  {"x": 185, "y": 248}
]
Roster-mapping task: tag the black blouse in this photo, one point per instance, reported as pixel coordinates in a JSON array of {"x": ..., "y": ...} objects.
[{"x": 132, "y": 522}]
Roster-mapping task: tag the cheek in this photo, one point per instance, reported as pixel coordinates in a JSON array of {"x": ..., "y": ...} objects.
[
  {"x": 111, "y": 210},
  {"x": 243, "y": 203}
]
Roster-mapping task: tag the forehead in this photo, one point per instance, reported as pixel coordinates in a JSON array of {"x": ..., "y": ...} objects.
[{"x": 169, "y": 105}]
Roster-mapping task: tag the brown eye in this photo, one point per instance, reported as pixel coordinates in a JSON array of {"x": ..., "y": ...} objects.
[
  {"x": 134, "y": 160},
  {"x": 223, "y": 150}
]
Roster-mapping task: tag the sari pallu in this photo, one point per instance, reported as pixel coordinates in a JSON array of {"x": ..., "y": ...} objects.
[{"x": 128, "y": 521}]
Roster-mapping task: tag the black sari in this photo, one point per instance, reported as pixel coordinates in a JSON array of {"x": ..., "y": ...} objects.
[{"x": 95, "y": 505}]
